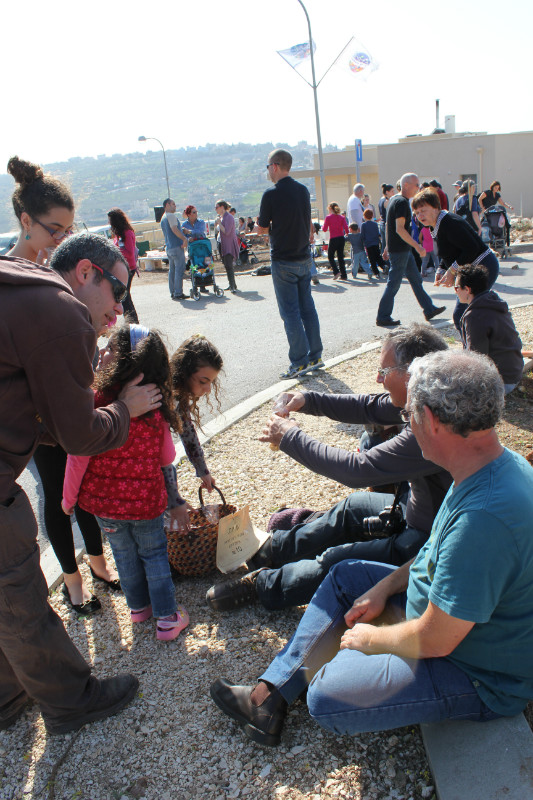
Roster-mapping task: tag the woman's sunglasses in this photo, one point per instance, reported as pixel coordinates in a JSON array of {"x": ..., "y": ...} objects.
[{"x": 120, "y": 290}]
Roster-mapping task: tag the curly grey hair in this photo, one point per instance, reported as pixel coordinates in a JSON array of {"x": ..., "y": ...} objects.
[
  {"x": 85, "y": 245},
  {"x": 463, "y": 390},
  {"x": 414, "y": 340}
]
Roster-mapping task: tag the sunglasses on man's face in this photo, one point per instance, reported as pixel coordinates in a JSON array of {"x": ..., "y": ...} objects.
[{"x": 120, "y": 290}]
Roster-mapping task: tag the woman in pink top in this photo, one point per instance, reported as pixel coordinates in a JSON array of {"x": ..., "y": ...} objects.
[
  {"x": 337, "y": 226},
  {"x": 124, "y": 238}
]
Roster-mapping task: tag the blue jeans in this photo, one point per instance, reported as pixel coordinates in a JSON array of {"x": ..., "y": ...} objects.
[
  {"x": 360, "y": 260},
  {"x": 176, "y": 270},
  {"x": 303, "y": 555},
  {"x": 492, "y": 265},
  {"x": 292, "y": 284},
  {"x": 403, "y": 265},
  {"x": 140, "y": 551},
  {"x": 350, "y": 692},
  {"x": 429, "y": 257}
]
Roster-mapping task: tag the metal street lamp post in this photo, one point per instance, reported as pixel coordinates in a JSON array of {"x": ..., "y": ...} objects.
[{"x": 144, "y": 139}]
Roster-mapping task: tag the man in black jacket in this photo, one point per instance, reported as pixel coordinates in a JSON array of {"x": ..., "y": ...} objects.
[{"x": 291, "y": 564}]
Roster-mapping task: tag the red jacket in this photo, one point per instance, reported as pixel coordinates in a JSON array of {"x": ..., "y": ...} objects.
[{"x": 127, "y": 483}]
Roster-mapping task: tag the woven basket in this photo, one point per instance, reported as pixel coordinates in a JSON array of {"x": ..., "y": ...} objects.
[{"x": 194, "y": 552}]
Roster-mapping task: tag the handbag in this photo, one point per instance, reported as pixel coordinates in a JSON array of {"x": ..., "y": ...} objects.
[{"x": 193, "y": 552}]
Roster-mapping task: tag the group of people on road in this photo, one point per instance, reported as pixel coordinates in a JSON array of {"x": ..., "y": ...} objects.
[{"x": 398, "y": 628}]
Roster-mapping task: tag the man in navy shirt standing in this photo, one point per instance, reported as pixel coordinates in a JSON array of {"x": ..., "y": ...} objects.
[{"x": 285, "y": 214}]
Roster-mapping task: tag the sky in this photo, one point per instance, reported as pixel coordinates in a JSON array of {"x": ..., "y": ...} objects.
[{"x": 85, "y": 79}]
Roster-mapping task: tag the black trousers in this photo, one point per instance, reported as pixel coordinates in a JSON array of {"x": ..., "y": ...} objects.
[
  {"x": 129, "y": 309},
  {"x": 375, "y": 258},
  {"x": 51, "y": 463},
  {"x": 336, "y": 248},
  {"x": 228, "y": 266}
]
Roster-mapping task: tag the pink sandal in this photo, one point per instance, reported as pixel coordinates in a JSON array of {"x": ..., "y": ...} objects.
[
  {"x": 168, "y": 629},
  {"x": 141, "y": 615}
]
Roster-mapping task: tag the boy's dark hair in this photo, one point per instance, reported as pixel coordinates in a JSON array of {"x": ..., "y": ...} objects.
[
  {"x": 193, "y": 354},
  {"x": 475, "y": 278},
  {"x": 354, "y": 226},
  {"x": 149, "y": 357}
]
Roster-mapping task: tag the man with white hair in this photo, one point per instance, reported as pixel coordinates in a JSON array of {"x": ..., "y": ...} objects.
[
  {"x": 447, "y": 636},
  {"x": 400, "y": 245},
  {"x": 354, "y": 207}
]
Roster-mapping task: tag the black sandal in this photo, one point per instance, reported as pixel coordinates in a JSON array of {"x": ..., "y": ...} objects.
[
  {"x": 114, "y": 585},
  {"x": 84, "y": 609}
]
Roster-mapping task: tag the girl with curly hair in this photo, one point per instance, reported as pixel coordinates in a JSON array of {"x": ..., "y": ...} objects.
[{"x": 129, "y": 488}]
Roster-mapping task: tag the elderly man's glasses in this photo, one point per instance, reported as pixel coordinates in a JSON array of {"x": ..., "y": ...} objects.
[
  {"x": 384, "y": 371},
  {"x": 58, "y": 236},
  {"x": 120, "y": 290}
]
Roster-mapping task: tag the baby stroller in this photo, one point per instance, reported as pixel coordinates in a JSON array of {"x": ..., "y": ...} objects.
[
  {"x": 497, "y": 226},
  {"x": 202, "y": 270},
  {"x": 245, "y": 252}
]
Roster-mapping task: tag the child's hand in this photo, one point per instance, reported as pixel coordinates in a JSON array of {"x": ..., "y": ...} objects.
[
  {"x": 66, "y": 509},
  {"x": 208, "y": 482},
  {"x": 179, "y": 517}
]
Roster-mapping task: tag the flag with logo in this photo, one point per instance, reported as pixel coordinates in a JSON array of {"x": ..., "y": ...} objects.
[{"x": 297, "y": 54}]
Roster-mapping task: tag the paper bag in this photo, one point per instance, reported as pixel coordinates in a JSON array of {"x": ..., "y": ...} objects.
[{"x": 238, "y": 540}]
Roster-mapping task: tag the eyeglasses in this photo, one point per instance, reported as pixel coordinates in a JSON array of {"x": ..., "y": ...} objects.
[
  {"x": 58, "y": 236},
  {"x": 272, "y": 164},
  {"x": 384, "y": 371},
  {"x": 405, "y": 414},
  {"x": 120, "y": 290},
  {"x": 456, "y": 286}
]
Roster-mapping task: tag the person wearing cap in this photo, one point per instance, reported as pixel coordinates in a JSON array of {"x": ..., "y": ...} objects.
[{"x": 175, "y": 243}]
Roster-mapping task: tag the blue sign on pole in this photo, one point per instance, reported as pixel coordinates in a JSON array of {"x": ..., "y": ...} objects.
[{"x": 358, "y": 150}]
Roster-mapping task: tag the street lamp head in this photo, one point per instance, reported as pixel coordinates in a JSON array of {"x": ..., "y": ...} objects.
[{"x": 141, "y": 139}]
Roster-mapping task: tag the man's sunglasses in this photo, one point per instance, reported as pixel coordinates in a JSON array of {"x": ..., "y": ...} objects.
[{"x": 120, "y": 290}]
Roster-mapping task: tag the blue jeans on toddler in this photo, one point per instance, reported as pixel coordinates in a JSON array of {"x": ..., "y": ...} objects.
[
  {"x": 360, "y": 260},
  {"x": 140, "y": 551},
  {"x": 350, "y": 692}
]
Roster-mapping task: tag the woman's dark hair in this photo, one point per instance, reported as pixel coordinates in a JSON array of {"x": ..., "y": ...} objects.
[
  {"x": 427, "y": 197},
  {"x": 223, "y": 204},
  {"x": 386, "y": 187},
  {"x": 192, "y": 355},
  {"x": 119, "y": 222},
  {"x": 335, "y": 208},
  {"x": 495, "y": 183},
  {"x": 189, "y": 210},
  {"x": 36, "y": 193},
  {"x": 241, "y": 219},
  {"x": 149, "y": 357},
  {"x": 475, "y": 278}
]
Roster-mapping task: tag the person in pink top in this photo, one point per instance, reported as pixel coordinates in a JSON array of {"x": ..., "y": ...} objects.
[
  {"x": 124, "y": 238},
  {"x": 129, "y": 488},
  {"x": 426, "y": 240},
  {"x": 337, "y": 226}
]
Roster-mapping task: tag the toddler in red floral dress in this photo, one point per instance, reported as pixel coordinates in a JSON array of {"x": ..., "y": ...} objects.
[{"x": 129, "y": 488}]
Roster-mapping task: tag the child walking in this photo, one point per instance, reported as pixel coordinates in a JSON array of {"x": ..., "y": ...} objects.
[
  {"x": 128, "y": 489},
  {"x": 195, "y": 367},
  {"x": 359, "y": 258}
]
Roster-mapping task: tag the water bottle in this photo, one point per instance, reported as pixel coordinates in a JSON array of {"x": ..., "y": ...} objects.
[{"x": 280, "y": 409}]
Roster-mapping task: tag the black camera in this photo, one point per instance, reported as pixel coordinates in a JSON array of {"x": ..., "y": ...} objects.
[{"x": 386, "y": 523}]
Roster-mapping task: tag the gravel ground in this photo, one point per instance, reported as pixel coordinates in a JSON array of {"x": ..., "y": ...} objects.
[{"x": 172, "y": 742}]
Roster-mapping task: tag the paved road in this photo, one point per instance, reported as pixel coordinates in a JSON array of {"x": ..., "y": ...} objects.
[{"x": 248, "y": 331}]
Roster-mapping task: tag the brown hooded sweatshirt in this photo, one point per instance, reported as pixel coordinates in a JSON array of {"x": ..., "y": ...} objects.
[{"x": 46, "y": 351}]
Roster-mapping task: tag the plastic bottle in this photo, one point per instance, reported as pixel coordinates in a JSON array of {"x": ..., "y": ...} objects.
[{"x": 280, "y": 409}]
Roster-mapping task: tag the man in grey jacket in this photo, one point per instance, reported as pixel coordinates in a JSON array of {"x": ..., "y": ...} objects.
[{"x": 291, "y": 564}]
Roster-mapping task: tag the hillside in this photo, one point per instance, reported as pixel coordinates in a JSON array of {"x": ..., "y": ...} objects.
[{"x": 136, "y": 182}]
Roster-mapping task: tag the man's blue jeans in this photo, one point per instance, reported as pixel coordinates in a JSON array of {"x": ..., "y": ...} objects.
[
  {"x": 176, "y": 270},
  {"x": 303, "y": 555},
  {"x": 292, "y": 284},
  {"x": 403, "y": 265},
  {"x": 350, "y": 692},
  {"x": 140, "y": 551}
]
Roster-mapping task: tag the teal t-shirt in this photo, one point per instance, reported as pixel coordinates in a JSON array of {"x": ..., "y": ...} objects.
[{"x": 477, "y": 565}]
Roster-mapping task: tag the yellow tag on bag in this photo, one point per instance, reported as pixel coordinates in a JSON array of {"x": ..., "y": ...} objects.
[{"x": 238, "y": 540}]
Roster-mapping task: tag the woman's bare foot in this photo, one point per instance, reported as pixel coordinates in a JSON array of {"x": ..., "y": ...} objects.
[
  {"x": 78, "y": 592},
  {"x": 102, "y": 569}
]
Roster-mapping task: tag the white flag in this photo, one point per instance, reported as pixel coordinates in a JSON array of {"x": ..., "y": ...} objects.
[
  {"x": 297, "y": 54},
  {"x": 361, "y": 60}
]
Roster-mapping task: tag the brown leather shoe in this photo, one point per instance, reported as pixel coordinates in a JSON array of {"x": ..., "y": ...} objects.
[
  {"x": 114, "y": 694},
  {"x": 234, "y": 593},
  {"x": 263, "y": 724}
]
